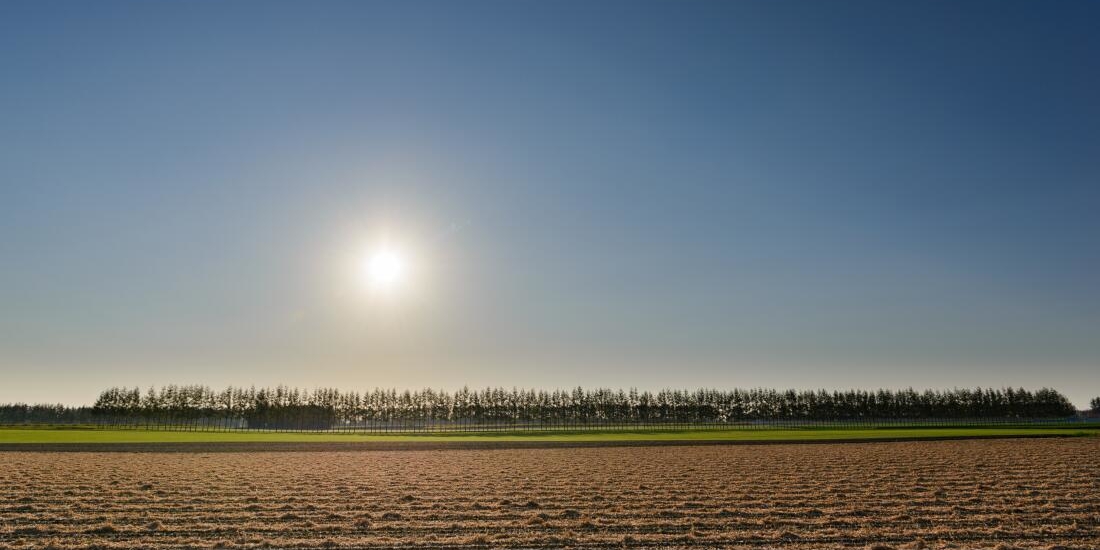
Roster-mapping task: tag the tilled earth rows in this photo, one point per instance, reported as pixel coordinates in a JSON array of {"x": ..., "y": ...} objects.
[{"x": 965, "y": 494}]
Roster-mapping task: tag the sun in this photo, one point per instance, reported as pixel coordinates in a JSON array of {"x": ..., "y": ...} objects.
[{"x": 384, "y": 269}]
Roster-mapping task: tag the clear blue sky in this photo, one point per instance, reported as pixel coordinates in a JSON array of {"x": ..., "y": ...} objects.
[{"x": 651, "y": 194}]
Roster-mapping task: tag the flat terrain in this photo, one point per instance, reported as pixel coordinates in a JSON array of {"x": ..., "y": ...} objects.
[
  {"x": 993, "y": 494},
  {"x": 10, "y": 436}
]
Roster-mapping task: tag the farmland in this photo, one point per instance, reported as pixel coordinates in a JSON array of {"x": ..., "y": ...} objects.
[
  {"x": 67, "y": 435},
  {"x": 1032, "y": 493}
]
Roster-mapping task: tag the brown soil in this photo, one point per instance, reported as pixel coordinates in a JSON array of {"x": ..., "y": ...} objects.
[{"x": 999, "y": 494}]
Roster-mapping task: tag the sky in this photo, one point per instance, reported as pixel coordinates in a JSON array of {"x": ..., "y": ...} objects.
[{"x": 626, "y": 194}]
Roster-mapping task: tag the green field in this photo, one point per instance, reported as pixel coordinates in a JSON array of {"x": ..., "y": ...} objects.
[{"x": 20, "y": 435}]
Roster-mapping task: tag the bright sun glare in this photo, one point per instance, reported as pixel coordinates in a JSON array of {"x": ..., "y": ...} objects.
[{"x": 384, "y": 269}]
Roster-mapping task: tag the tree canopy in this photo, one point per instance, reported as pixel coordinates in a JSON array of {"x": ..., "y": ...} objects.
[{"x": 325, "y": 406}]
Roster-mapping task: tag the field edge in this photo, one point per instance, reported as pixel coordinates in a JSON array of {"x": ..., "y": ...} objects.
[{"x": 153, "y": 441}]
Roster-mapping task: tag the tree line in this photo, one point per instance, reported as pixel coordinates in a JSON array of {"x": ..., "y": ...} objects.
[
  {"x": 326, "y": 408},
  {"x": 22, "y": 413}
]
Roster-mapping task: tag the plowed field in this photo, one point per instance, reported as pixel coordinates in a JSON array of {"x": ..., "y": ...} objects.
[{"x": 948, "y": 494}]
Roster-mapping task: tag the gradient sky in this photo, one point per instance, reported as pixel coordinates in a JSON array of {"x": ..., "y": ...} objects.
[{"x": 789, "y": 194}]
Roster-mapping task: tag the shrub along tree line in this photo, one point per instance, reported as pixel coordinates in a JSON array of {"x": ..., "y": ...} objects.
[
  {"x": 291, "y": 408},
  {"x": 22, "y": 413}
]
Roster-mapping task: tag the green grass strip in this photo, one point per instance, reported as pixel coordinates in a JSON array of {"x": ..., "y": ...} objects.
[{"x": 24, "y": 435}]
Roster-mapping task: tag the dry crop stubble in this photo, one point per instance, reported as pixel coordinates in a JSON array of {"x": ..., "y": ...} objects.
[{"x": 961, "y": 494}]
